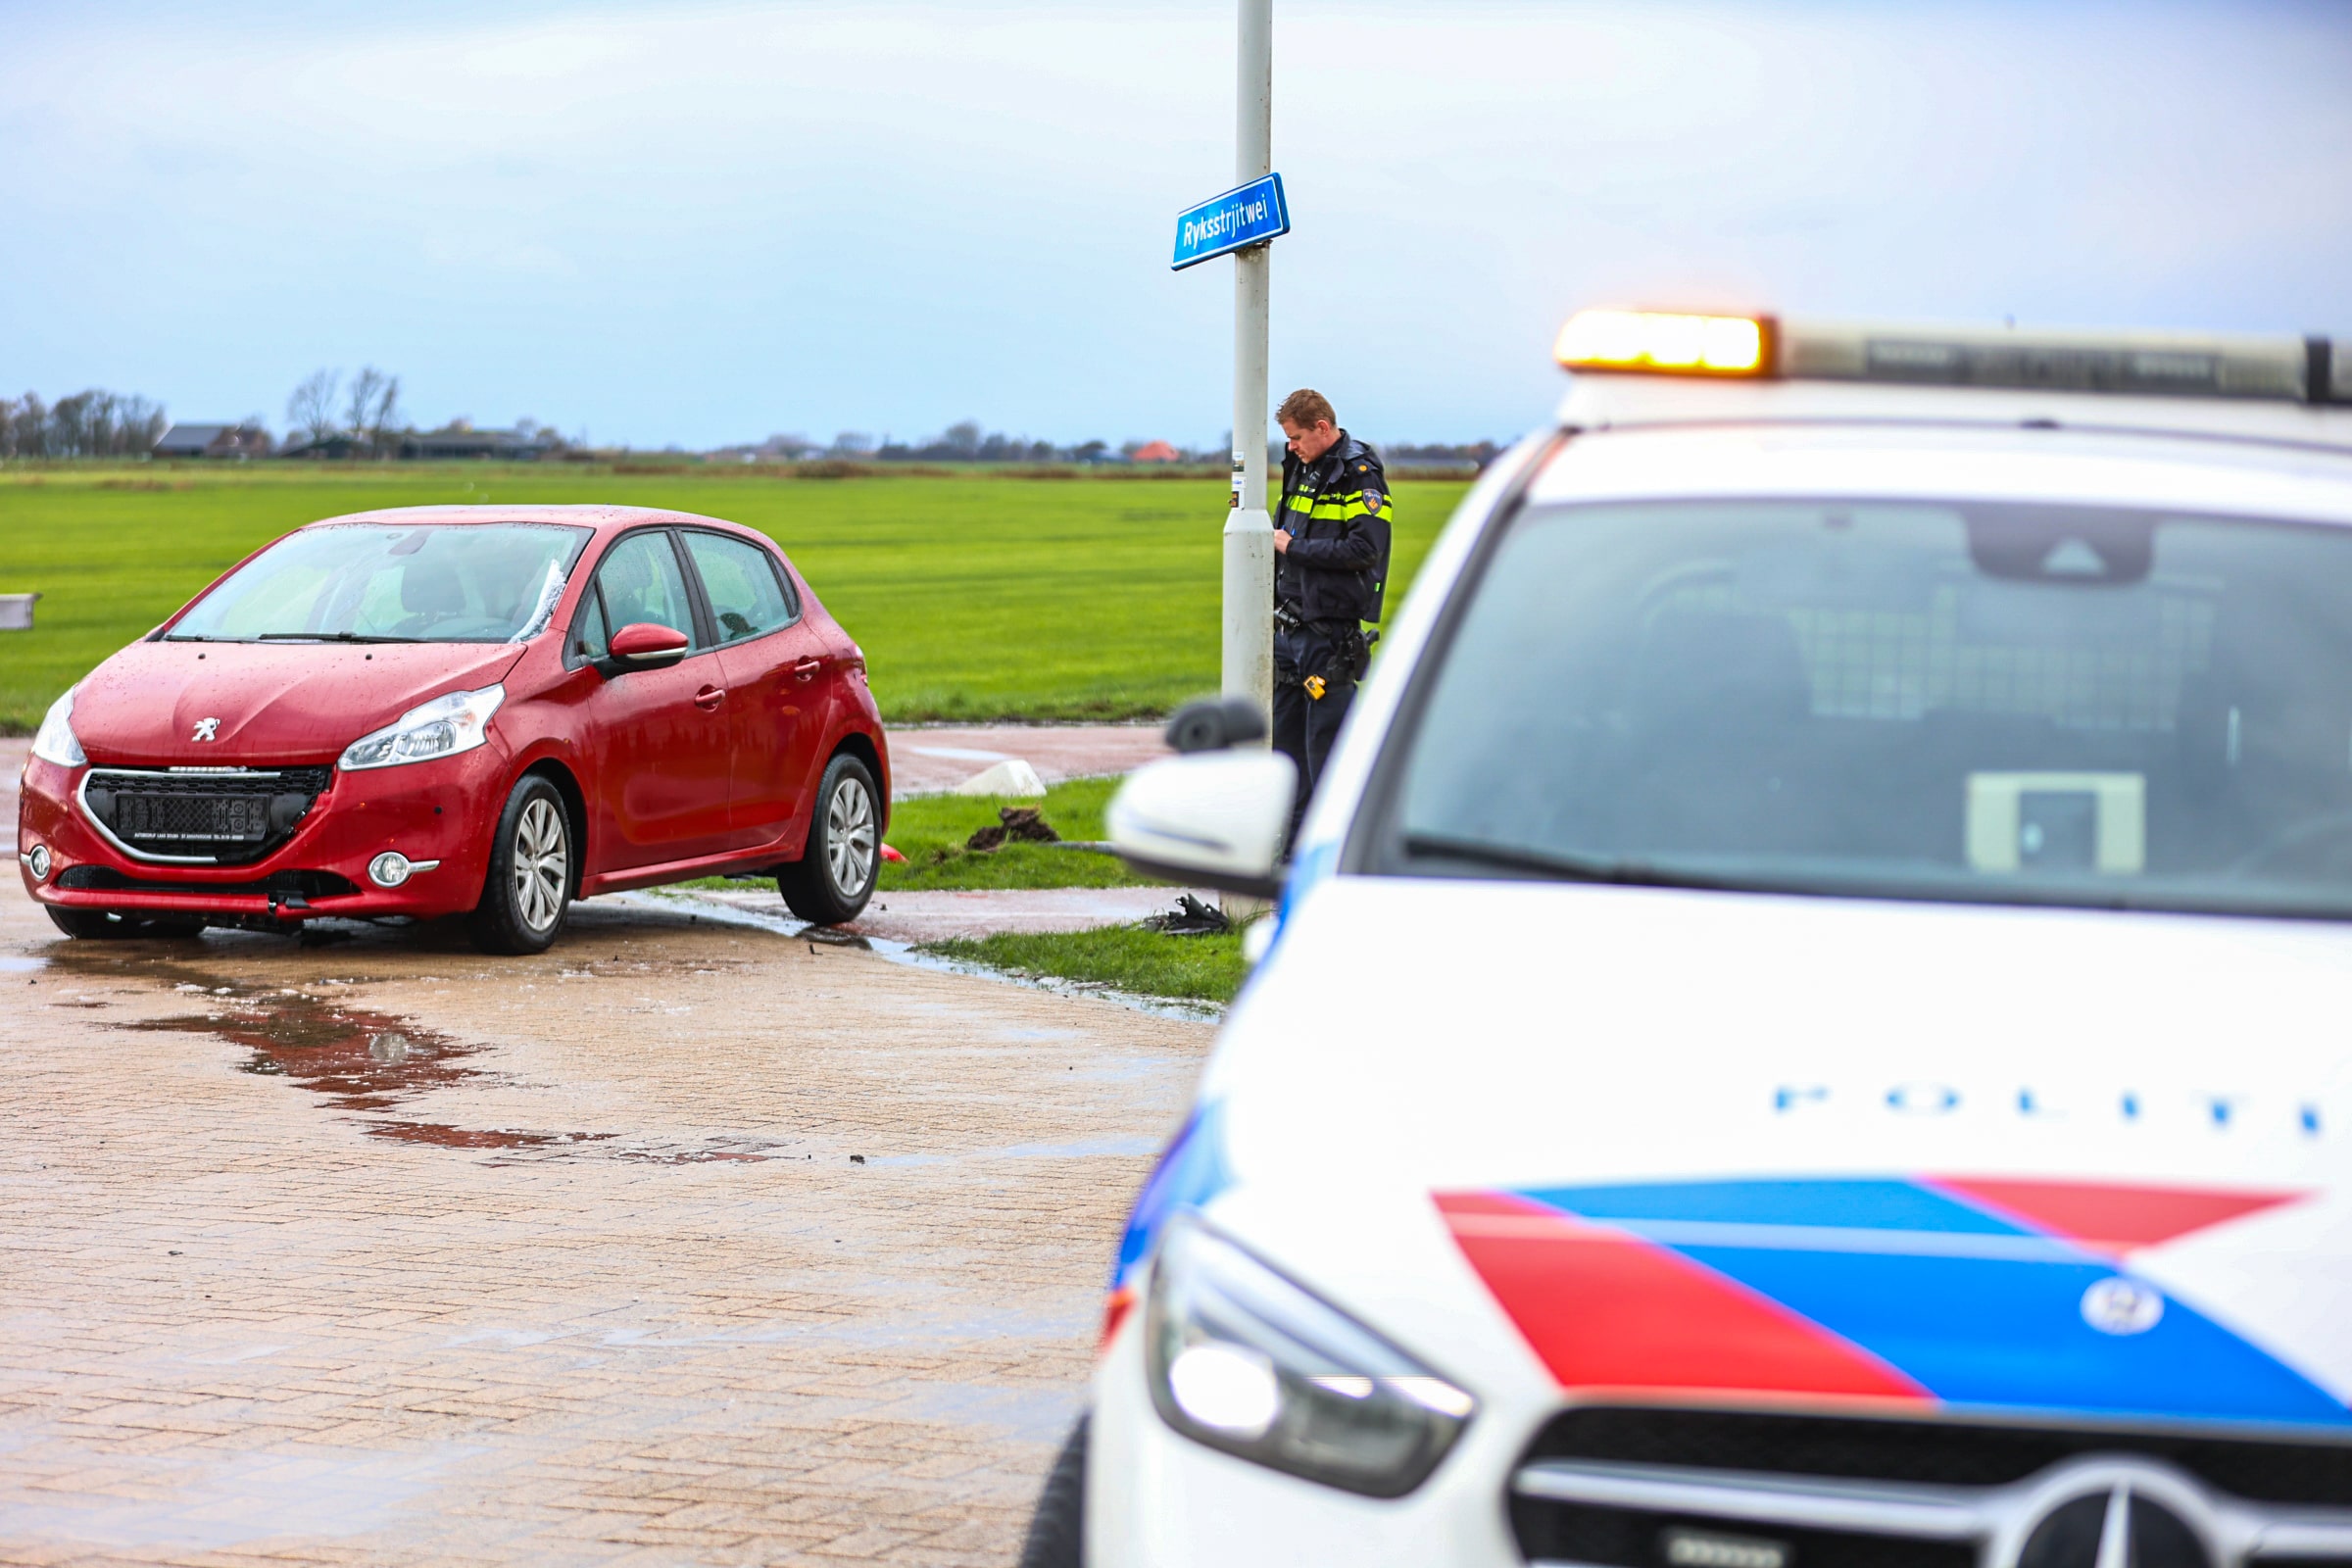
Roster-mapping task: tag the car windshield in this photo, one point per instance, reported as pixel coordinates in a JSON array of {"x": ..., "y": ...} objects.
[
  {"x": 2028, "y": 704},
  {"x": 388, "y": 583}
]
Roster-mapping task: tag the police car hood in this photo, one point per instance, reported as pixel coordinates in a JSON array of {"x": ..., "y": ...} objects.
[{"x": 1708, "y": 1144}]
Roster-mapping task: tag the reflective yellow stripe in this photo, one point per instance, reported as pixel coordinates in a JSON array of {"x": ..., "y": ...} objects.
[{"x": 1339, "y": 507}]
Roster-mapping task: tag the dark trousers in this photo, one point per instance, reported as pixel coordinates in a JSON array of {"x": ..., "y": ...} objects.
[{"x": 1305, "y": 726}]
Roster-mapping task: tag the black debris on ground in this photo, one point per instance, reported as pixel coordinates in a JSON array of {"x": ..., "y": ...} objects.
[{"x": 1189, "y": 919}]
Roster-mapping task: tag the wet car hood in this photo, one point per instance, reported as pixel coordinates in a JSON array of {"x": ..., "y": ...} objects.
[
  {"x": 1703, "y": 1145},
  {"x": 275, "y": 702}
]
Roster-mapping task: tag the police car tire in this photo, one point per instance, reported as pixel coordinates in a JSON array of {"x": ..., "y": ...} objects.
[
  {"x": 1058, "y": 1528},
  {"x": 809, "y": 884}
]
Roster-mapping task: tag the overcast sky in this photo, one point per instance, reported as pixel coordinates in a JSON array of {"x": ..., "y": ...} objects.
[{"x": 699, "y": 224}]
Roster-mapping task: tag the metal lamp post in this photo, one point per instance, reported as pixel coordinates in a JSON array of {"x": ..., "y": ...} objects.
[{"x": 1248, "y": 641}]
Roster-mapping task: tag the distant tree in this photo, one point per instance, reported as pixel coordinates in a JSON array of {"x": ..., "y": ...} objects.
[
  {"x": 853, "y": 444},
  {"x": 92, "y": 423},
  {"x": 961, "y": 440},
  {"x": 23, "y": 426},
  {"x": 310, "y": 409},
  {"x": 371, "y": 407}
]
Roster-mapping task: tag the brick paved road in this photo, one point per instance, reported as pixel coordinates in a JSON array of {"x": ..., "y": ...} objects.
[{"x": 387, "y": 1253}]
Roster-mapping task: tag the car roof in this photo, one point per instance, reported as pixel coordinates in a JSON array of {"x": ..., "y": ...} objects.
[
  {"x": 604, "y": 518},
  {"x": 1743, "y": 451}
]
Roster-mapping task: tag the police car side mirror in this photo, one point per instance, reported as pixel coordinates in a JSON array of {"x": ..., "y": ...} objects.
[{"x": 1213, "y": 819}]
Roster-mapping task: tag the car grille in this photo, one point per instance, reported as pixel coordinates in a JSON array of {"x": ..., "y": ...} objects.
[
  {"x": 1633, "y": 1487},
  {"x": 217, "y": 817}
]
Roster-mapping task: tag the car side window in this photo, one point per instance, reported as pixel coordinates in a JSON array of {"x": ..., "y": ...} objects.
[
  {"x": 741, "y": 581},
  {"x": 640, "y": 582}
]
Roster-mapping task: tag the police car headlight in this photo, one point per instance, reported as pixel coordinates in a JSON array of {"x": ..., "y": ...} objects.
[
  {"x": 55, "y": 741},
  {"x": 442, "y": 727},
  {"x": 1241, "y": 1360}
]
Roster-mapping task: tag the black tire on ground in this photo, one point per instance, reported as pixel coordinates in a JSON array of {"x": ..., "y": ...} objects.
[
  {"x": 528, "y": 891},
  {"x": 835, "y": 874},
  {"x": 105, "y": 925},
  {"x": 1057, "y": 1529}
]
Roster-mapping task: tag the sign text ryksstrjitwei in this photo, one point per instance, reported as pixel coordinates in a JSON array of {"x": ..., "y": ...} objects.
[{"x": 1226, "y": 219}]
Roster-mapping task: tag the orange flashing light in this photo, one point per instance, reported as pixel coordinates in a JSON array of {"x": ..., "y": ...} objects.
[{"x": 1664, "y": 343}]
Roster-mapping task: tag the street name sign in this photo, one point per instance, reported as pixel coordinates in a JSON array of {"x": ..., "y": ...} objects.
[{"x": 1251, "y": 214}]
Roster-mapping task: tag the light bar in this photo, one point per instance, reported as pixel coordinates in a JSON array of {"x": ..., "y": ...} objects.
[
  {"x": 2294, "y": 370},
  {"x": 1664, "y": 343}
]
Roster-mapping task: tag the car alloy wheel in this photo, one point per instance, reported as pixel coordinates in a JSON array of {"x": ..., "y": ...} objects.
[
  {"x": 542, "y": 864},
  {"x": 850, "y": 837},
  {"x": 834, "y": 875}
]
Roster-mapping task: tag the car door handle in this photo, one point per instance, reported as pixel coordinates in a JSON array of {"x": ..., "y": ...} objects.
[
  {"x": 806, "y": 670},
  {"x": 709, "y": 697}
]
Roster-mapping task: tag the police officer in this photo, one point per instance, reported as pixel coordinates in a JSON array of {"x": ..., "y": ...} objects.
[{"x": 1331, "y": 542}]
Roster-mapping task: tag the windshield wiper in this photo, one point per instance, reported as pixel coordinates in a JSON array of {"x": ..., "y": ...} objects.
[
  {"x": 1562, "y": 867},
  {"x": 327, "y": 637}
]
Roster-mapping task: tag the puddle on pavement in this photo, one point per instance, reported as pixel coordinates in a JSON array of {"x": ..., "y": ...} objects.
[
  {"x": 10, "y": 963},
  {"x": 370, "y": 1064}
]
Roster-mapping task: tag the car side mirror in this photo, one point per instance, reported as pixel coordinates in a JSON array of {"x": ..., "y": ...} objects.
[
  {"x": 1209, "y": 820},
  {"x": 645, "y": 644}
]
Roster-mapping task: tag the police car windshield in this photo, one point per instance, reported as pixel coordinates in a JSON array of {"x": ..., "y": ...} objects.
[
  {"x": 2027, "y": 703},
  {"x": 392, "y": 583}
]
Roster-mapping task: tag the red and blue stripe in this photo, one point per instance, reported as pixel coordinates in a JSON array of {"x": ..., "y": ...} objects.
[{"x": 1958, "y": 1291}]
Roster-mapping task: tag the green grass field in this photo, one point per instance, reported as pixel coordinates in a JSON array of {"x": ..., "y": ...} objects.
[{"x": 974, "y": 596}]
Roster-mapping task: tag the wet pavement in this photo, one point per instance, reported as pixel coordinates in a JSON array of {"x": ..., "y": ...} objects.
[
  {"x": 933, "y": 915},
  {"x": 932, "y": 758},
  {"x": 685, "y": 1242}
]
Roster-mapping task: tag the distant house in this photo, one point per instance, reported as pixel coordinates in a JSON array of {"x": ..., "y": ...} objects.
[
  {"x": 337, "y": 446},
  {"x": 233, "y": 441},
  {"x": 1156, "y": 452},
  {"x": 462, "y": 441}
]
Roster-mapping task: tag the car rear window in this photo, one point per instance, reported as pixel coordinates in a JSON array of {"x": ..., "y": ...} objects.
[
  {"x": 2037, "y": 704},
  {"x": 741, "y": 582},
  {"x": 393, "y": 583}
]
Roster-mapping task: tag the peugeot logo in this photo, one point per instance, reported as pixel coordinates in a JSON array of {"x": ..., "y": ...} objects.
[
  {"x": 208, "y": 729},
  {"x": 2114, "y": 1514}
]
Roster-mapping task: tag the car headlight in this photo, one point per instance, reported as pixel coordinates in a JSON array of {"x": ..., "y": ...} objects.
[
  {"x": 55, "y": 741},
  {"x": 442, "y": 727},
  {"x": 1245, "y": 1361}
]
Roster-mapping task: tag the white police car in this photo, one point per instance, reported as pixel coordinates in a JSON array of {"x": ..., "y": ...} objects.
[{"x": 1808, "y": 1027}]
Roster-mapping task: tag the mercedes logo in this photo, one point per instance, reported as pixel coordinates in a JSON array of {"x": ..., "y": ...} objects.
[
  {"x": 2120, "y": 1305},
  {"x": 206, "y": 728},
  {"x": 2127, "y": 1516}
]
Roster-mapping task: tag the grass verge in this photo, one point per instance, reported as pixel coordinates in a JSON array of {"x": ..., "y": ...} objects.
[
  {"x": 1123, "y": 957},
  {"x": 930, "y": 831}
]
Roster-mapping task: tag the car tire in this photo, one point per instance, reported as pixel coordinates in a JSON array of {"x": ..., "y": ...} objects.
[
  {"x": 532, "y": 860},
  {"x": 107, "y": 925},
  {"x": 835, "y": 874},
  {"x": 1056, "y": 1536}
]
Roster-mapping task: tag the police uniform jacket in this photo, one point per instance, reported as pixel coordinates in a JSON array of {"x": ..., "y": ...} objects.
[{"x": 1338, "y": 511}]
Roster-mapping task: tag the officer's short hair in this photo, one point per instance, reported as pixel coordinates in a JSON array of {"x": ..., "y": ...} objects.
[{"x": 1307, "y": 408}]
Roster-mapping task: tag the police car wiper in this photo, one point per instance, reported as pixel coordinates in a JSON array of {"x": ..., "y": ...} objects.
[
  {"x": 327, "y": 637},
  {"x": 1559, "y": 866}
]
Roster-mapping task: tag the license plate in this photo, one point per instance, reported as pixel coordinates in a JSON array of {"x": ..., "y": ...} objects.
[{"x": 193, "y": 818}]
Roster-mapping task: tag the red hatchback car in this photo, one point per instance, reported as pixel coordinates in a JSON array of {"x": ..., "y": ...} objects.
[{"x": 478, "y": 711}]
